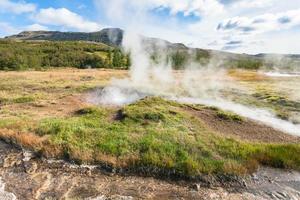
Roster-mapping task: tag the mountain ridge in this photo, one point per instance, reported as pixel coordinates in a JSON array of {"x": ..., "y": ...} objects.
[
  {"x": 114, "y": 37},
  {"x": 109, "y": 36}
]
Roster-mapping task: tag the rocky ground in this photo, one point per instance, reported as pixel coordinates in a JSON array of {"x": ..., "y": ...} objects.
[{"x": 26, "y": 177}]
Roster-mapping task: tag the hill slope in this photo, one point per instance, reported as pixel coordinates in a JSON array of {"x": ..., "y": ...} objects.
[
  {"x": 114, "y": 37},
  {"x": 109, "y": 36}
]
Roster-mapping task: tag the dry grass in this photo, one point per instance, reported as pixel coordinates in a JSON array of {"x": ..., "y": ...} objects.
[
  {"x": 56, "y": 92},
  {"x": 28, "y": 140},
  {"x": 246, "y": 75}
]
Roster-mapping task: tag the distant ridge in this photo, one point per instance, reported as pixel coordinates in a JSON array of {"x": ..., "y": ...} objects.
[
  {"x": 109, "y": 36},
  {"x": 114, "y": 37}
]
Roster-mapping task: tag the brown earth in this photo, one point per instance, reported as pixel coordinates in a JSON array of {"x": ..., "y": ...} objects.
[
  {"x": 246, "y": 129},
  {"x": 29, "y": 178}
]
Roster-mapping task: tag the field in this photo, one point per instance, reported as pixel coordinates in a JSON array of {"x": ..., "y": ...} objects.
[{"x": 47, "y": 112}]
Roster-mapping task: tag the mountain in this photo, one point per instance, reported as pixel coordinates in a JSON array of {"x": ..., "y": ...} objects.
[
  {"x": 109, "y": 36},
  {"x": 114, "y": 37},
  {"x": 291, "y": 56}
]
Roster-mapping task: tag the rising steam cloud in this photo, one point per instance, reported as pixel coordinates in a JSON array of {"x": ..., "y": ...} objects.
[{"x": 195, "y": 84}]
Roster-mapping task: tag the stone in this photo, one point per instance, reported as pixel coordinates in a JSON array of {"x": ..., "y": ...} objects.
[{"x": 196, "y": 186}]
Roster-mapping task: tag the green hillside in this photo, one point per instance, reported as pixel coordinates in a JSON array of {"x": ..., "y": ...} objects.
[{"x": 23, "y": 55}]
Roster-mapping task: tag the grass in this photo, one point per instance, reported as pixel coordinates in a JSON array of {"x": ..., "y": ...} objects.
[
  {"x": 151, "y": 136},
  {"x": 17, "y": 100},
  {"x": 156, "y": 134},
  {"x": 278, "y": 95},
  {"x": 225, "y": 115}
]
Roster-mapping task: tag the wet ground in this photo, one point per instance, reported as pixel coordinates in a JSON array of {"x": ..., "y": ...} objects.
[{"x": 25, "y": 177}]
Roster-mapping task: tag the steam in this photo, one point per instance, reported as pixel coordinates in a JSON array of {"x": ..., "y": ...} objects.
[
  {"x": 279, "y": 74},
  {"x": 253, "y": 113},
  {"x": 196, "y": 84}
]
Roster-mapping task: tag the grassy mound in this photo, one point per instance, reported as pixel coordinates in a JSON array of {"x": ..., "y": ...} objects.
[{"x": 157, "y": 135}]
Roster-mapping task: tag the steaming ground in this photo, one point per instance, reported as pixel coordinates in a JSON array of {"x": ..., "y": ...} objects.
[
  {"x": 253, "y": 113},
  {"x": 191, "y": 87},
  {"x": 46, "y": 112},
  {"x": 195, "y": 85},
  {"x": 115, "y": 96}
]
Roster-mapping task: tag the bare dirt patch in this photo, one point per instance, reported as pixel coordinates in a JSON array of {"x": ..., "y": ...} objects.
[{"x": 246, "y": 129}]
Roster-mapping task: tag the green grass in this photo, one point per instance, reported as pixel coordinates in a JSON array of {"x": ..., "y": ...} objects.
[
  {"x": 225, "y": 115},
  {"x": 160, "y": 135},
  {"x": 267, "y": 98},
  {"x": 24, "y": 99},
  {"x": 17, "y": 100}
]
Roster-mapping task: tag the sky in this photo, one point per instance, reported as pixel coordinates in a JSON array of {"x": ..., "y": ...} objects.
[{"x": 242, "y": 26}]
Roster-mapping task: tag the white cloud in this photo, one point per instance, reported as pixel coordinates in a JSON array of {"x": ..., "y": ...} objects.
[
  {"x": 7, "y": 6},
  {"x": 262, "y": 23},
  {"x": 252, "y": 4},
  {"x": 117, "y": 9},
  {"x": 6, "y": 29},
  {"x": 188, "y": 7},
  {"x": 65, "y": 18},
  {"x": 36, "y": 27}
]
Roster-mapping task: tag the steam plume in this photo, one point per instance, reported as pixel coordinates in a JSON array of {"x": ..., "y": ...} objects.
[{"x": 195, "y": 84}]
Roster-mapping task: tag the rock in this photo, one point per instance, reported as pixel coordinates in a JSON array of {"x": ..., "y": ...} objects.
[
  {"x": 11, "y": 161},
  {"x": 89, "y": 172},
  {"x": 244, "y": 184},
  {"x": 196, "y": 186},
  {"x": 283, "y": 194},
  {"x": 30, "y": 167},
  {"x": 270, "y": 181},
  {"x": 254, "y": 177},
  {"x": 28, "y": 155}
]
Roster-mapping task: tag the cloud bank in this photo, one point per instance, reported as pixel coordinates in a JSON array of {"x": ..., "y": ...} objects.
[
  {"x": 65, "y": 18},
  {"x": 20, "y": 7}
]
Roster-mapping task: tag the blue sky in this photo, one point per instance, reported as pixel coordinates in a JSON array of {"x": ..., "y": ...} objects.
[{"x": 244, "y": 26}]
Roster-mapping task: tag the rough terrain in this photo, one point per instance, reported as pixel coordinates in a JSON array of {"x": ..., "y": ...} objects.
[{"x": 31, "y": 178}]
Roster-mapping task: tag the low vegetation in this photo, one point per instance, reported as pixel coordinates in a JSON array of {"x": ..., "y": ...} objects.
[
  {"x": 23, "y": 55},
  {"x": 46, "y": 112},
  {"x": 267, "y": 93},
  {"x": 155, "y": 135},
  {"x": 246, "y": 63},
  {"x": 225, "y": 115}
]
